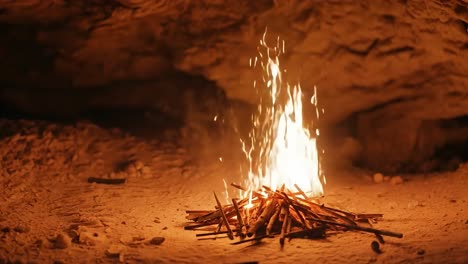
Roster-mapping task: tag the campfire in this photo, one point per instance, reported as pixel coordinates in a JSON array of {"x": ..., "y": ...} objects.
[{"x": 280, "y": 195}]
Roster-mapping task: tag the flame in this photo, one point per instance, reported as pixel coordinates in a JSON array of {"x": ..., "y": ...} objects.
[{"x": 280, "y": 150}]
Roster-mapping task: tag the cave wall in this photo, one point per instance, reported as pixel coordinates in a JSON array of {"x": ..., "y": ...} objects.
[{"x": 384, "y": 67}]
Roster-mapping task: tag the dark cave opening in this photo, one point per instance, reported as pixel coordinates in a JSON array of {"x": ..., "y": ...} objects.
[
  {"x": 145, "y": 122},
  {"x": 450, "y": 156},
  {"x": 449, "y": 149},
  {"x": 394, "y": 147}
]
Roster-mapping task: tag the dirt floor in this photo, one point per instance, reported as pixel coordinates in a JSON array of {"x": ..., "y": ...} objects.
[{"x": 49, "y": 213}]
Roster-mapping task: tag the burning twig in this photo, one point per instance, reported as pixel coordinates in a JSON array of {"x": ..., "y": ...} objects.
[
  {"x": 238, "y": 186},
  {"x": 301, "y": 191}
]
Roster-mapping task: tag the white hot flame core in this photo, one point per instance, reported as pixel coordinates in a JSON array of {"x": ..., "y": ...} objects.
[{"x": 280, "y": 150}]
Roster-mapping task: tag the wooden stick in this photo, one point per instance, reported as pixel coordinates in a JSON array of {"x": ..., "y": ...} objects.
[
  {"x": 238, "y": 186},
  {"x": 212, "y": 238},
  {"x": 192, "y": 227},
  {"x": 210, "y": 216},
  {"x": 216, "y": 214},
  {"x": 367, "y": 216},
  {"x": 360, "y": 228},
  {"x": 264, "y": 217},
  {"x": 273, "y": 219},
  {"x": 282, "y": 187},
  {"x": 301, "y": 191},
  {"x": 339, "y": 211},
  {"x": 212, "y": 233},
  {"x": 106, "y": 181},
  {"x": 226, "y": 222},
  {"x": 218, "y": 228},
  {"x": 288, "y": 227},
  {"x": 257, "y": 238},
  {"x": 283, "y": 210},
  {"x": 199, "y": 211},
  {"x": 260, "y": 208},
  {"x": 239, "y": 218},
  {"x": 301, "y": 218},
  {"x": 318, "y": 232},
  {"x": 380, "y": 238},
  {"x": 331, "y": 211},
  {"x": 285, "y": 225}
]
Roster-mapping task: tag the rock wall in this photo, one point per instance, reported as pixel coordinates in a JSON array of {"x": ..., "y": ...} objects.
[{"x": 382, "y": 67}]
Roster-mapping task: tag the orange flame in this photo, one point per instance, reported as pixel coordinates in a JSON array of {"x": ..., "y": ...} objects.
[{"x": 280, "y": 150}]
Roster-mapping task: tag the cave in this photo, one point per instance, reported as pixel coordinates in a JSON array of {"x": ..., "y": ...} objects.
[{"x": 119, "y": 116}]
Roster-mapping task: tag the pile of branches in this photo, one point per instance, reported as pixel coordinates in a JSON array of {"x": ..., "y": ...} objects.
[{"x": 268, "y": 213}]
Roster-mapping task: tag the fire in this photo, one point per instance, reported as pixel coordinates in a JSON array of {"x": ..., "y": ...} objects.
[
  {"x": 280, "y": 150},
  {"x": 284, "y": 172}
]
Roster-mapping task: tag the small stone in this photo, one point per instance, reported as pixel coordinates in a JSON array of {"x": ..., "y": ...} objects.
[
  {"x": 157, "y": 240},
  {"x": 90, "y": 238},
  {"x": 114, "y": 251},
  {"x": 378, "y": 178},
  {"x": 396, "y": 180},
  {"x": 386, "y": 178},
  {"x": 453, "y": 200},
  {"x": 376, "y": 247},
  {"x": 139, "y": 165},
  {"x": 6, "y": 229},
  {"x": 22, "y": 229},
  {"x": 62, "y": 241},
  {"x": 138, "y": 238},
  {"x": 421, "y": 252}
]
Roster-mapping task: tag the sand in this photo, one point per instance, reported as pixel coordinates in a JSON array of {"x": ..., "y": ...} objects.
[{"x": 49, "y": 213}]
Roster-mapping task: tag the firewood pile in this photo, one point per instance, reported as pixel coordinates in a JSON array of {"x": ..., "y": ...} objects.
[{"x": 279, "y": 213}]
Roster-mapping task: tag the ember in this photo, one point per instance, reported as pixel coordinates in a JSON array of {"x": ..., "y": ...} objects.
[{"x": 280, "y": 213}]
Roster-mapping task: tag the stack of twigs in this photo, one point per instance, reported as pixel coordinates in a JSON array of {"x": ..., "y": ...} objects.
[{"x": 268, "y": 213}]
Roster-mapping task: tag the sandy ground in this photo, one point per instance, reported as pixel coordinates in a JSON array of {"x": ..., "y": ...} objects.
[{"x": 49, "y": 213}]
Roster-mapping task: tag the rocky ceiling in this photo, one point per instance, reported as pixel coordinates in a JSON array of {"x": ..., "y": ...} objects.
[{"x": 388, "y": 69}]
